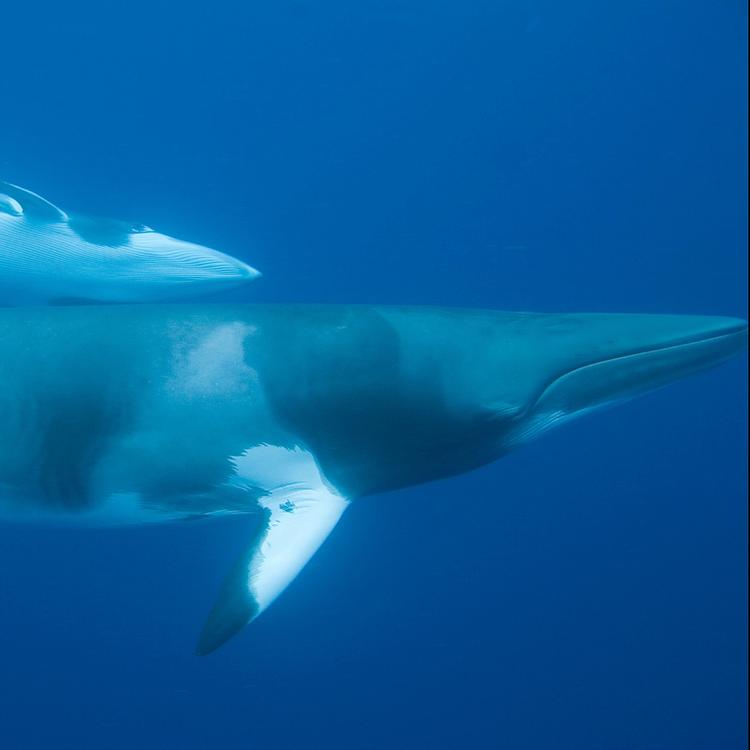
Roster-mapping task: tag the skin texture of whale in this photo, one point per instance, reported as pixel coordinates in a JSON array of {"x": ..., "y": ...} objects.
[
  {"x": 130, "y": 414},
  {"x": 48, "y": 257}
]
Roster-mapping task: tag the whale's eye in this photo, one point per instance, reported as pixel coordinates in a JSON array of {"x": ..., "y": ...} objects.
[{"x": 140, "y": 229}]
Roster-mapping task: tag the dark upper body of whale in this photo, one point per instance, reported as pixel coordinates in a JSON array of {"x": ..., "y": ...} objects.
[{"x": 159, "y": 412}]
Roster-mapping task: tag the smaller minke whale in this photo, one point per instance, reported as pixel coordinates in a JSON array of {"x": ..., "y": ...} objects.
[{"x": 50, "y": 257}]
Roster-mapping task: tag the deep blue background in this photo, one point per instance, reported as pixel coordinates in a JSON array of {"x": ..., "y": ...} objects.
[{"x": 587, "y": 592}]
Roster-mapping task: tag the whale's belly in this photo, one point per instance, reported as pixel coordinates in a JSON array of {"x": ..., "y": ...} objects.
[
  {"x": 79, "y": 468},
  {"x": 114, "y": 432}
]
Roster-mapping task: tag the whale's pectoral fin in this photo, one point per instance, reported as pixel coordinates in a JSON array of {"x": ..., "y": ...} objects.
[
  {"x": 298, "y": 516},
  {"x": 32, "y": 205}
]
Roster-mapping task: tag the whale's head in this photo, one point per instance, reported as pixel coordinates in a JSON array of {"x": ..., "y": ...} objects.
[
  {"x": 134, "y": 263},
  {"x": 162, "y": 267},
  {"x": 481, "y": 383},
  {"x": 389, "y": 397},
  {"x": 530, "y": 372}
]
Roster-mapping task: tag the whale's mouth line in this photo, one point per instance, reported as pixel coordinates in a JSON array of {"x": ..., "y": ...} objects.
[{"x": 726, "y": 334}]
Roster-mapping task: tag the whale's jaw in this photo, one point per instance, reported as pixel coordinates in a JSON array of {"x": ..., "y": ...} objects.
[{"x": 678, "y": 346}]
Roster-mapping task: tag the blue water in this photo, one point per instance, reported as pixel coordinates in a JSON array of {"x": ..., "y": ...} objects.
[{"x": 586, "y": 592}]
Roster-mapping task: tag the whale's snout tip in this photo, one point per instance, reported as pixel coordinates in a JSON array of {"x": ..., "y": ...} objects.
[
  {"x": 248, "y": 273},
  {"x": 225, "y": 269},
  {"x": 730, "y": 332},
  {"x": 722, "y": 326},
  {"x": 237, "y": 273}
]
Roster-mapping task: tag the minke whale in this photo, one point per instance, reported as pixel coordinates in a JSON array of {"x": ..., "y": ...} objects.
[
  {"x": 129, "y": 414},
  {"x": 48, "y": 257}
]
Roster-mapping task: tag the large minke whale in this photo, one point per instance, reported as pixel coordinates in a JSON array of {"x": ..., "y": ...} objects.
[{"x": 132, "y": 414}]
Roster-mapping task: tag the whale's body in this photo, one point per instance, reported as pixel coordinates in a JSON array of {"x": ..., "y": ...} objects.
[
  {"x": 132, "y": 414},
  {"x": 49, "y": 257}
]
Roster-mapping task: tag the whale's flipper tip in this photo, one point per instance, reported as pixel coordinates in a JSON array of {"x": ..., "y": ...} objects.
[{"x": 235, "y": 605}]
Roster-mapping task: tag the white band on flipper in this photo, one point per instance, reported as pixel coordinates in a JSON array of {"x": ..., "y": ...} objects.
[{"x": 300, "y": 508}]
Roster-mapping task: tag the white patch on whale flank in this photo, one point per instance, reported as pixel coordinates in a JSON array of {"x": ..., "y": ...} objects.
[{"x": 216, "y": 365}]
